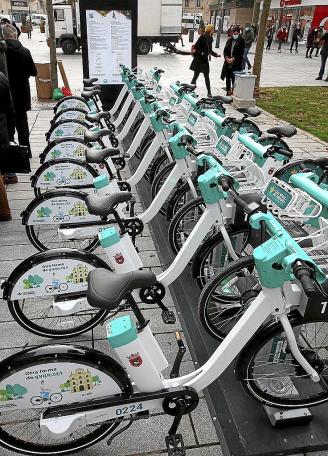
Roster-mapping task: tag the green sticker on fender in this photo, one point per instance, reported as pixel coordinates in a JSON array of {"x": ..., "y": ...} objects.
[{"x": 278, "y": 195}]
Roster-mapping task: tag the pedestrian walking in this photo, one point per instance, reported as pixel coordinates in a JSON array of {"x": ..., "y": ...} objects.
[
  {"x": 29, "y": 27},
  {"x": 295, "y": 38},
  {"x": 310, "y": 42},
  {"x": 282, "y": 37},
  {"x": 6, "y": 135},
  {"x": 324, "y": 56},
  {"x": 249, "y": 38},
  {"x": 202, "y": 52},
  {"x": 317, "y": 40},
  {"x": 20, "y": 68},
  {"x": 233, "y": 58},
  {"x": 269, "y": 36}
]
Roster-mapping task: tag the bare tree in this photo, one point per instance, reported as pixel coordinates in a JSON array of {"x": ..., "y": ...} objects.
[
  {"x": 52, "y": 44},
  {"x": 257, "y": 67}
]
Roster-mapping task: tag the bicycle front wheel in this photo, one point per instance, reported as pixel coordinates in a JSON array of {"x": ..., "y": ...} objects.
[
  {"x": 270, "y": 374},
  {"x": 227, "y": 295}
]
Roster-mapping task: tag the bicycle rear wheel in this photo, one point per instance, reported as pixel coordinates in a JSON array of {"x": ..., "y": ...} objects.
[{"x": 270, "y": 374}]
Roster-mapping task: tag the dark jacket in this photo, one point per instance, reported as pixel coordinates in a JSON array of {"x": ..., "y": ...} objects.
[
  {"x": 20, "y": 68},
  {"x": 7, "y": 123},
  {"x": 236, "y": 53},
  {"x": 3, "y": 61},
  {"x": 203, "y": 48},
  {"x": 324, "y": 49},
  {"x": 297, "y": 34},
  {"x": 270, "y": 34},
  {"x": 249, "y": 37}
]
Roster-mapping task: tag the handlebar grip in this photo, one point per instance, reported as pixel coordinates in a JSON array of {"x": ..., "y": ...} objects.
[
  {"x": 225, "y": 183},
  {"x": 302, "y": 272},
  {"x": 285, "y": 153}
]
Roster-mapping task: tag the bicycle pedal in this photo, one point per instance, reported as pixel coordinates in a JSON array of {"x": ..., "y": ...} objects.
[
  {"x": 175, "y": 445},
  {"x": 168, "y": 317}
]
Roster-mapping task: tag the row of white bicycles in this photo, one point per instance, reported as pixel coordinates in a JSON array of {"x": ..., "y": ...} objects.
[{"x": 246, "y": 218}]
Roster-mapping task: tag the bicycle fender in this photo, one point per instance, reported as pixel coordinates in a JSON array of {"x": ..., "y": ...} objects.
[
  {"x": 52, "y": 375},
  {"x": 34, "y": 277},
  {"x": 62, "y": 173},
  {"x": 58, "y": 207}
]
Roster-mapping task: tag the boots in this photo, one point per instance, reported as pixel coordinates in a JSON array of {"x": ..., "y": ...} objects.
[{"x": 5, "y": 214}]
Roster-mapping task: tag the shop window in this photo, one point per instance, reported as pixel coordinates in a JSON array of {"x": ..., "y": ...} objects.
[
  {"x": 187, "y": 3},
  {"x": 59, "y": 14},
  {"x": 198, "y": 3}
]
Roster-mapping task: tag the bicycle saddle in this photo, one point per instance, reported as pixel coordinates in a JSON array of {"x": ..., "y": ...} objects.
[
  {"x": 188, "y": 86},
  {"x": 103, "y": 205},
  {"x": 90, "y": 81},
  {"x": 93, "y": 87},
  {"x": 224, "y": 99},
  {"x": 285, "y": 130},
  {"x": 89, "y": 94},
  {"x": 106, "y": 289},
  {"x": 251, "y": 112},
  {"x": 95, "y": 118},
  {"x": 99, "y": 156},
  {"x": 322, "y": 161},
  {"x": 93, "y": 136}
]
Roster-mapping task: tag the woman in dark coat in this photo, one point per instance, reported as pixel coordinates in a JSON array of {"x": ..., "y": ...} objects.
[
  {"x": 7, "y": 129},
  {"x": 202, "y": 54},
  {"x": 233, "y": 58}
]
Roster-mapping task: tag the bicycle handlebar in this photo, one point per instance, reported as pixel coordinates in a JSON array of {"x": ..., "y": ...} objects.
[
  {"x": 304, "y": 273},
  {"x": 226, "y": 183},
  {"x": 277, "y": 150}
]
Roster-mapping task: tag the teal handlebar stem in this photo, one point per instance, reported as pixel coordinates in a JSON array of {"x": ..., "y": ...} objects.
[
  {"x": 209, "y": 181},
  {"x": 308, "y": 182},
  {"x": 276, "y": 257},
  {"x": 191, "y": 98},
  {"x": 215, "y": 117},
  {"x": 156, "y": 120},
  {"x": 247, "y": 139},
  {"x": 178, "y": 149}
]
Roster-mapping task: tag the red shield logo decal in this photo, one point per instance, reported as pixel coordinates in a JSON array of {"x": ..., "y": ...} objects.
[
  {"x": 135, "y": 360},
  {"x": 119, "y": 258}
]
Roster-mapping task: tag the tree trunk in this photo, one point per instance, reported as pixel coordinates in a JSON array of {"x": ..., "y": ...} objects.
[
  {"x": 52, "y": 45},
  {"x": 260, "y": 45}
]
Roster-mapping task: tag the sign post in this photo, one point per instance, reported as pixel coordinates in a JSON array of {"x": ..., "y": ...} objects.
[{"x": 109, "y": 38}]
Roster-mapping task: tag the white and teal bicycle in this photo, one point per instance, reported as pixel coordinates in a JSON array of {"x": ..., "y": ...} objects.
[{"x": 283, "y": 366}]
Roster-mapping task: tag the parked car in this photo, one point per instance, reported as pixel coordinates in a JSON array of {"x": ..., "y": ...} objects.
[{"x": 38, "y": 18}]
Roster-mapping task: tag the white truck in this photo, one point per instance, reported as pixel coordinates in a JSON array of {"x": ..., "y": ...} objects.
[{"x": 159, "y": 21}]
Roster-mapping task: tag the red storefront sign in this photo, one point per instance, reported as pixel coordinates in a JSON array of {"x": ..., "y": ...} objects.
[
  {"x": 320, "y": 17},
  {"x": 284, "y": 3}
]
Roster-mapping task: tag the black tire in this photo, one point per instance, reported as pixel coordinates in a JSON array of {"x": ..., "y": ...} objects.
[
  {"x": 158, "y": 183},
  {"x": 181, "y": 197},
  {"x": 144, "y": 145},
  {"x": 267, "y": 353},
  {"x": 227, "y": 295},
  {"x": 50, "y": 240},
  {"x": 212, "y": 255},
  {"x": 20, "y": 428},
  {"x": 143, "y": 46},
  {"x": 46, "y": 324},
  {"x": 69, "y": 47},
  {"x": 183, "y": 223},
  {"x": 157, "y": 165}
]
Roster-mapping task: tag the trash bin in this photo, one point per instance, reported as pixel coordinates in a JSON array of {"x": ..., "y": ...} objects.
[
  {"x": 43, "y": 81},
  {"x": 191, "y": 35},
  {"x": 243, "y": 92}
]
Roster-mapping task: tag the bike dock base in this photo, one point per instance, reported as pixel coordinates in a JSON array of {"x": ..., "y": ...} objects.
[{"x": 242, "y": 424}]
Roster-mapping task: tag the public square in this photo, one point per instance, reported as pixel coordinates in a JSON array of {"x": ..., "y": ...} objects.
[{"x": 198, "y": 428}]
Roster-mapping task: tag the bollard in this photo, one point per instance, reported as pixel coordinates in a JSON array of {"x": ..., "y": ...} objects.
[{"x": 244, "y": 90}]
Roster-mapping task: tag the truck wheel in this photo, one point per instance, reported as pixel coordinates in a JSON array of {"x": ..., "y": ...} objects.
[
  {"x": 143, "y": 46},
  {"x": 69, "y": 46}
]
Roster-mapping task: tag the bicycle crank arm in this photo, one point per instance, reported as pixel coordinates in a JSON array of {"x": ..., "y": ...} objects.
[
  {"x": 59, "y": 422},
  {"x": 63, "y": 308}
]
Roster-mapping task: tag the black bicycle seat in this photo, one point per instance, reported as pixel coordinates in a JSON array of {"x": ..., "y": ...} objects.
[
  {"x": 87, "y": 94},
  {"x": 103, "y": 205},
  {"x": 251, "y": 112},
  {"x": 95, "y": 118},
  {"x": 106, "y": 290},
  {"x": 285, "y": 130},
  {"x": 224, "y": 99},
  {"x": 93, "y": 136},
  {"x": 321, "y": 161},
  {"x": 188, "y": 86},
  {"x": 99, "y": 156},
  {"x": 89, "y": 81}
]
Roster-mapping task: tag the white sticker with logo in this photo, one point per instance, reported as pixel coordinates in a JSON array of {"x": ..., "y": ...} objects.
[
  {"x": 73, "y": 129},
  {"x": 61, "y": 209},
  {"x": 71, "y": 115},
  {"x": 53, "y": 384},
  {"x": 67, "y": 149},
  {"x": 64, "y": 174},
  {"x": 73, "y": 103}
]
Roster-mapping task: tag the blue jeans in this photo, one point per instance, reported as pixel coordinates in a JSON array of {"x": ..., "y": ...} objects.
[
  {"x": 245, "y": 58},
  {"x": 323, "y": 64}
]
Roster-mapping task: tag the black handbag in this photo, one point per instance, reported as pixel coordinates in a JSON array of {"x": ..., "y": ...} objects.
[{"x": 15, "y": 160}]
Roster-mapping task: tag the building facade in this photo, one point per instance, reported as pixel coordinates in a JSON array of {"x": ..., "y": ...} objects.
[
  {"x": 307, "y": 13},
  {"x": 192, "y": 7},
  {"x": 21, "y": 8},
  {"x": 230, "y": 12}
]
